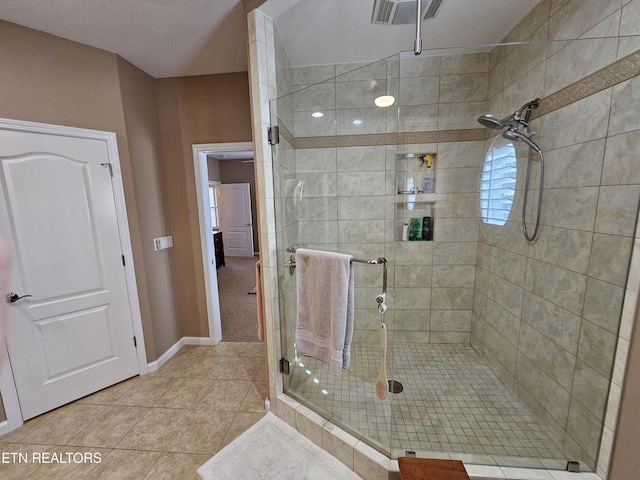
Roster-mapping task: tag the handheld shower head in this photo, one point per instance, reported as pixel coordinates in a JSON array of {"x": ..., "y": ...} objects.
[
  {"x": 512, "y": 132},
  {"x": 490, "y": 121}
]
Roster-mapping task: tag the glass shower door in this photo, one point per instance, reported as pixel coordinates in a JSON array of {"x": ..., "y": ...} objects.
[{"x": 334, "y": 196}]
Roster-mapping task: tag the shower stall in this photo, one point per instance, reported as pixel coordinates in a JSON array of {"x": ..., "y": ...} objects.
[{"x": 500, "y": 347}]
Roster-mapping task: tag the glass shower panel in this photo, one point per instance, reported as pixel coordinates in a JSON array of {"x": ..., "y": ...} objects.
[
  {"x": 480, "y": 325},
  {"x": 499, "y": 350},
  {"x": 334, "y": 170},
  {"x": 452, "y": 401},
  {"x": 283, "y": 158}
]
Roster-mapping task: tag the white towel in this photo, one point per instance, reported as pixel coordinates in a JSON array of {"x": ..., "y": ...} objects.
[{"x": 325, "y": 307}]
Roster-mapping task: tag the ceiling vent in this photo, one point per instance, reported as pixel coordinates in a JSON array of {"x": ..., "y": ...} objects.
[{"x": 400, "y": 12}]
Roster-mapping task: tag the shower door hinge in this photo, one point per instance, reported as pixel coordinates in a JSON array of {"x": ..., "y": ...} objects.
[
  {"x": 284, "y": 366},
  {"x": 273, "y": 135}
]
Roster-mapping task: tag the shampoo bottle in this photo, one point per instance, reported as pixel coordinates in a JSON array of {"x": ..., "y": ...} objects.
[
  {"x": 427, "y": 229},
  {"x": 429, "y": 182}
]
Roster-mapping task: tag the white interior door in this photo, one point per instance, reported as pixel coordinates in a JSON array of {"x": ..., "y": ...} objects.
[
  {"x": 235, "y": 219},
  {"x": 74, "y": 335}
]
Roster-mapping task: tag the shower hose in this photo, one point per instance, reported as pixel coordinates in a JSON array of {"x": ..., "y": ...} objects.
[{"x": 531, "y": 237}]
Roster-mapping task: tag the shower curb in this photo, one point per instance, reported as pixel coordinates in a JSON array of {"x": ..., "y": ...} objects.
[{"x": 367, "y": 462}]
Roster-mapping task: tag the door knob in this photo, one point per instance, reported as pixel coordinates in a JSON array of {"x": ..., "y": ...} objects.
[{"x": 14, "y": 297}]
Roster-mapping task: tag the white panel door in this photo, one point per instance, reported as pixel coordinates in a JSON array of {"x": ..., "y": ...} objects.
[
  {"x": 235, "y": 219},
  {"x": 73, "y": 335}
]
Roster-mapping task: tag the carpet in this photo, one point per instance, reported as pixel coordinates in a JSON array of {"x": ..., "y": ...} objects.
[
  {"x": 238, "y": 311},
  {"x": 271, "y": 450}
]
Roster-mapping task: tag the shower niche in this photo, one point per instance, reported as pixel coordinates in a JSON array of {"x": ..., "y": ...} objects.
[{"x": 416, "y": 175}]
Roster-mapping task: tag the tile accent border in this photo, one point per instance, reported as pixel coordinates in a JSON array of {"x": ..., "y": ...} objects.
[
  {"x": 617, "y": 72},
  {"x": 380, "y": 139}
]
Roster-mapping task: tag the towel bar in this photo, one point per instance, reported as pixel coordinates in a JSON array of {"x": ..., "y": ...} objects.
[{"x": 376, "y": 261}]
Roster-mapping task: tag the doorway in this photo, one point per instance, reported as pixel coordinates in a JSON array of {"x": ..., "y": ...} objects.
[{"x": 235, "y": 268}]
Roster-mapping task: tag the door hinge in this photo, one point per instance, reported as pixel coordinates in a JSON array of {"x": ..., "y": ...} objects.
[
  {"x": 273, "y": 135},
  {"x": 110, "y": 168},
  {"x": 124, "y": 264},
  {"x": 284, "y": 366},
  {"x": 135, "y": 342},
  {"x": 573, "y": 466}
]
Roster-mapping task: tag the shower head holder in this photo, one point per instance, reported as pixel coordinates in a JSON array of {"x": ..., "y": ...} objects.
[{"x": 527, "y": 109}]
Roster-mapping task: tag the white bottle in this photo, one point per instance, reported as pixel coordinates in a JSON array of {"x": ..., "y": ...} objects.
[
  {"x": 405, "y": 232},
  {"x": 429, "y": 182},
  {"x": 428, "y": 185}
]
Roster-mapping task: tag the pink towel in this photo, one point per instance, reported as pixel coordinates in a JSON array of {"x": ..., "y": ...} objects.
[
  {"x": 259, "y": 302},
  {"x": 325, "y": 307}
]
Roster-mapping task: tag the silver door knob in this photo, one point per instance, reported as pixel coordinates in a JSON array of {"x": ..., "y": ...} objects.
[{"x": 14, "y": 297}]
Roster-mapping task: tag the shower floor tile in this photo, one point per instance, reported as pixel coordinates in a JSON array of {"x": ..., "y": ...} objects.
[{"x": 451, "y": 402}]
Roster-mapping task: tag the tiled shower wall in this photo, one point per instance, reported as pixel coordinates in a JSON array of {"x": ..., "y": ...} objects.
[
  {"x": 343, "y": 198},
  {"x": 547, "y": 313}
]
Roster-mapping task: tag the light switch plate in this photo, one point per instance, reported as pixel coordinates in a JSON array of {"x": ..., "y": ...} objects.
[{"x": 161, "y": 243}]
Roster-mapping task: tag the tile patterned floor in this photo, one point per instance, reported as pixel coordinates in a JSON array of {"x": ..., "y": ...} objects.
[
  {"x": 451, "y": 402},
  {"x": 160, "y": 426}
]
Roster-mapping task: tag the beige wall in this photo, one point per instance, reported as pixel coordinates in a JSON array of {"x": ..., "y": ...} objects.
[
  {"x": 143, "y": 138},
  {"x": 51, "y": 80},
  {"x": 195, "y": 110},
  {"x": 213, "y": 169}
]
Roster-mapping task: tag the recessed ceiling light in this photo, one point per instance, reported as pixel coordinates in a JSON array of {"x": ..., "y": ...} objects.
[
  {"x": 357, "y": 121},
  {"x": 385, "y": 100},
  {"x": 317, "y": 114}
]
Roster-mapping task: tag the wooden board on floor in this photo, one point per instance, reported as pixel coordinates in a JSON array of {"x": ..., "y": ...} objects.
[{"x": 412, "y": 468}]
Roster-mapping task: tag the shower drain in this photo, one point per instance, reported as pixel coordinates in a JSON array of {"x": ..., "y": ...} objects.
[{"x": 395, "y": 386}]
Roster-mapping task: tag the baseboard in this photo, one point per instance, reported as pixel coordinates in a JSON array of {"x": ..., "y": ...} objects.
[
  {"x": 196, "y": 340},
  {"x": 173, "y": 349},
  {"x": 4, "y": 427}
]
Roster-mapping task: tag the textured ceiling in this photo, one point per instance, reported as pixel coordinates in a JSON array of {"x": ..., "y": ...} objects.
[
  {"x": 165, "y": 38},
  {"x": 170, "y": 38}
]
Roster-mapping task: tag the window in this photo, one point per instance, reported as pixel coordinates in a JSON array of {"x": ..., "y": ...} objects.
[
  {"x": 498, "y": 182},
  {"x": 213, "y": 204}
]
